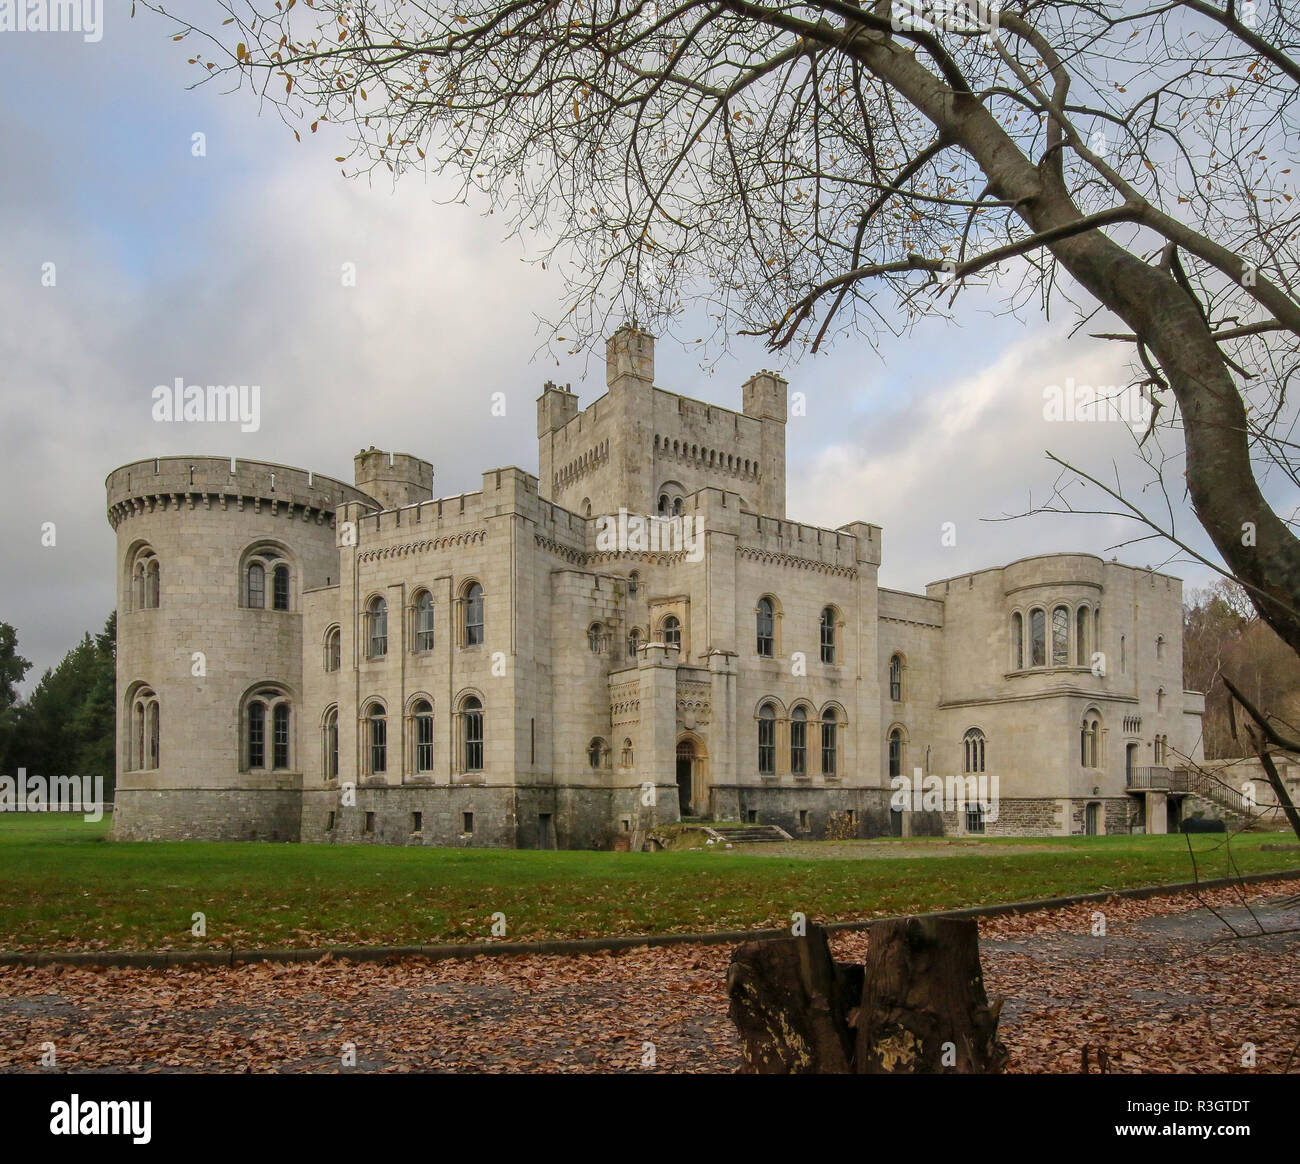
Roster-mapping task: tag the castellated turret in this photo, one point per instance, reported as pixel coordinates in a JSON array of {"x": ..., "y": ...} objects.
[
  {"x": 393, "y": 479},
  {"x": 214, "y": 556}
]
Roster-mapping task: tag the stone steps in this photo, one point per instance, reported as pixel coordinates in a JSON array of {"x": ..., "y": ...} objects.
[{"x": 750, "y": 835}]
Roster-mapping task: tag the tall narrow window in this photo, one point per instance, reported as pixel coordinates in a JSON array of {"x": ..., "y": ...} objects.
[
  {"x": 767, "y": 740},
  {"x": 1060, "y": 637},
  {"x": 280, "y": 588},
  {"x": 830, "y": 732},
  {"x": 1123, "y": 654},
  {"x": 1018, "y": 640},
  {"x": 330, "y": 745},
  {"x": 473, "y": 615},
  {"x": 257, "y": 586},
  {"x": 1037, "y": 638},
  {"x": 828, "y": 634},
  {"x": 1088, "y": 734},
  {"x": 596, "y": 752},
  {"x": 1160, "y": 700},
  {"x": 799, "y": 742},
  {"x": 257, "y": 735},
  {"x": 595, "y": 638},
  {"x": 151, "y": 583},
  {"x": 472, "y": 727},
  {"x": 333, "y": 649},
  {"x": 766, "y": 627},
  {"x": 138, "y": 592},
  {"x": 280, "y": 736},
  {"x": 377, "y": 731},
  {"x": 424, "y": 621},
  {"x": 1081, "y": 636},
  {"x": 1160, "y": 647},
  {"x": 633, "y": 583},
  {"x": 377, "y": 627},
  {"x": 896, "y": 678},
  {"x": 633, "y": 642},
  {"x": 895, "y": 753},
  {"x": 423, "y": 736},
  {"x": 973, "y": 746},
  {"x": 672, "y": 631}
]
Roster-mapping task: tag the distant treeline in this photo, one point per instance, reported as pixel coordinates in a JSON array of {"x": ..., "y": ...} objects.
[{"x": 65, "y": 728}]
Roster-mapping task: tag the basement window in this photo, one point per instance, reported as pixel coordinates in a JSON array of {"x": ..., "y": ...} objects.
[
  {"x": 370, "y": 822},
  {"x": 467, "y": 822},
  {"x": 417, "y": 822}
]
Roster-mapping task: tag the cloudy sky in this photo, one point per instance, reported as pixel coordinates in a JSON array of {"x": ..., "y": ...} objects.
[{"x": 226, "y": 268}]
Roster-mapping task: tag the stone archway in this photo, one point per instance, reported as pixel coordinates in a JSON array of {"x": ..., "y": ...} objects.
[{"x": 692, "y": 789}]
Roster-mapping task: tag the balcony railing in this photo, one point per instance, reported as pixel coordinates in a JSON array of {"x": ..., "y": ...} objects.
[{"x": 1160, "y": 779}]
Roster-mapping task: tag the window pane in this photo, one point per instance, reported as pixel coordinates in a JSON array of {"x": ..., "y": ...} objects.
[
  {"x": 1037, "y": 639},
  {"x": 280, "y": 742},
  {"x": 256, "y": 586},
  {"x": 280, "y": 592},
  {"x": 1060, "y": 637},
  {"x": 1018, "y": 640},
  {"x": 257, "y": 735}
]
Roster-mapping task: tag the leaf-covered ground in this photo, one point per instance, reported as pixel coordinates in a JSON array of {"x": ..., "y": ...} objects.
[{"x": 1167, "y": 988}]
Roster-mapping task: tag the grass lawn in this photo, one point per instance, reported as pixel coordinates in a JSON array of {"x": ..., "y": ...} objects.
[{"x": 63, "y": 885}]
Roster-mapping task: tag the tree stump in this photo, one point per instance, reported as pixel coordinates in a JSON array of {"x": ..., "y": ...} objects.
[
  {"x": 917, "y": 1007},
  {"x": 787, "y": 1003}
]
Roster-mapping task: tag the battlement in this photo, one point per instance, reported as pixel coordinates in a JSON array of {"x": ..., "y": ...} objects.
[{"x": 165, "y": 482}]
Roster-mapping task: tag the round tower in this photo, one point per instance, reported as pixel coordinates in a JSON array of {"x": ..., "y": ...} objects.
[{"x": 213, "y": 557}]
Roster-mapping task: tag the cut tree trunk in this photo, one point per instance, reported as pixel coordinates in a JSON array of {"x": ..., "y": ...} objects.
[{"x": 917, "y": 1007}]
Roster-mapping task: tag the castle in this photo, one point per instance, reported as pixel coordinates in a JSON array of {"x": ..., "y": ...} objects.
[{"x": 636, "y": 635}]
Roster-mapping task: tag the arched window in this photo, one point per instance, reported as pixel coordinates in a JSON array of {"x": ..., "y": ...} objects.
[
  {"x": 767, "y": 740},
  {"x": 1081, "y": 636},
  {"x": 830, "y": 733},
  {"x": 330, "y": 745},
  {"x": 152, "y": 584},
  {"x": 799, "y": 742},
  {"x": 595, "y": 638},
  {"x": 473, "y": 603},
  {"x": 1160, "y": 700},
  {"x": 471, "y": 716},
  {"x": 267, "y": 729},
  {"x": 1123, "y": 654},
  {"x": 1037, "y": 638},
  {"x": 766, "y": 619},
  {"x": 280, "y": 736},
  {"x": 633, "y": 583},
  {"x": 597, "y": 753},
  {"x": 377, "y": 627},
  {"x": 672, "y": 631},
  {"x": 333, "y": 649},
  {"x": 146, "y": 731},
  {"x": 256, "y": 586},
  {"x": 663, "y": 503},
  {"x": 586, "y": 507},
  {"x": 1089, "y": 734},
  {"x": 1018, "y": 641},
  {"x": 627, "y": 756},
  {"x": 896, "y": 752},
  {"x": 677, "y": 506},
  {"x": 280, "y": 588},
  {"x": 896, "y": 678},
  {"x": 973, "y": 747},
  {"x": 376, "y": 739},
  {"x": 422, "y": 713},
  {"x": 633, "y": 642},
  {"x": 828, "y": 634},
  {"x": 423, "y": 607},
  {"x": 1060, "y": 636},
  {"x": 1160, "y": 647},
  {"x": 257, "y": 735}
]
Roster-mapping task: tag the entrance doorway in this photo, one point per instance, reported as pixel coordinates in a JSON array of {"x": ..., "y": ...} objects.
[
  {"x": 1130, "y": 754},
  {"x": 545, "y": 831},
  {"x": 1090, "y": 816},
  {"x": 685, "y": 776}
]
